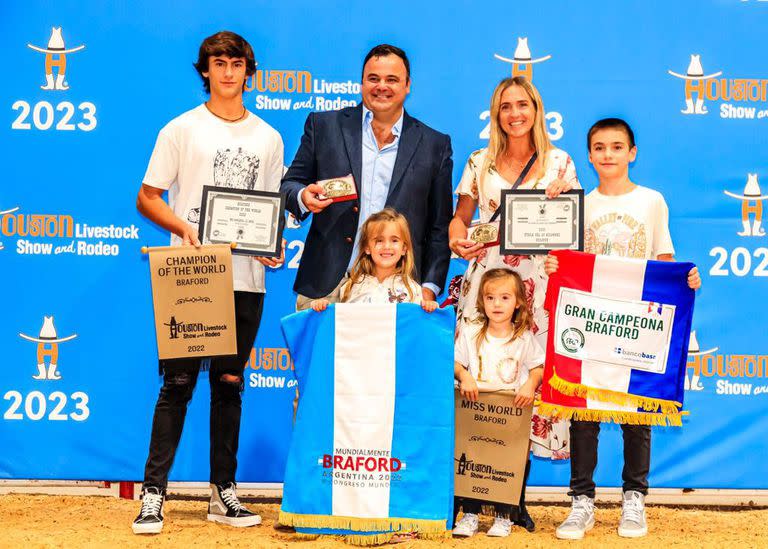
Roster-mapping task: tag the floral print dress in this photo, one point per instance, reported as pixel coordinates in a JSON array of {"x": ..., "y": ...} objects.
[{"x": 549, "y": 437}]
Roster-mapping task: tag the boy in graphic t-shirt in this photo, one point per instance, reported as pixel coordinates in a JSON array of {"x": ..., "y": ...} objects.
[
  {"x": 628, "y": 220},
  {"x": 217, "y": 143}
]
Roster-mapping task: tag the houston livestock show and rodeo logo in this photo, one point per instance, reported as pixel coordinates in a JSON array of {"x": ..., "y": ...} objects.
[
  {"x": 293, "y": 90},
  {"x": 732, "y": 374},
  {"x": 738, "y": 97},
  {"x": 58, "y": 234},
  {"x": 735, "y": 374},
  {"x": 62, "y": 115},
  {"x": 42, "y": 403},
  {"x": 522, "y": 62},
  {"x": 741, "y": 261}
]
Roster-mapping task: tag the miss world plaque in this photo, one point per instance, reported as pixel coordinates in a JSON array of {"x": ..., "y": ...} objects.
[
  {"x": 254, "y": 220},
  {"x": 531, "y": 223}
]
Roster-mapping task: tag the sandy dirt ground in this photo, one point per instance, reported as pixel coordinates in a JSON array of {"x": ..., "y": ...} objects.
[{"x": 67, "y": 521}]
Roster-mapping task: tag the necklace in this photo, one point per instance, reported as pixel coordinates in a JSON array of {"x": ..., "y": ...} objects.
[{"x": 238, "y": 119}]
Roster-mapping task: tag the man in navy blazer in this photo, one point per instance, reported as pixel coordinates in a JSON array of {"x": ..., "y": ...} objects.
[{"x": 395, "y": 160}]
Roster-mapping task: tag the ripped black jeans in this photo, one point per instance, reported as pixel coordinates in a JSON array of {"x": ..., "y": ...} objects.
[{"x": 180, "y": 378}]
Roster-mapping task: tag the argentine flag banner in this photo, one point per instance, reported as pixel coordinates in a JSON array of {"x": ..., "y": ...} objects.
[
  {"x": 618, "y": 339},
  {"x": 372, "y": 447}
]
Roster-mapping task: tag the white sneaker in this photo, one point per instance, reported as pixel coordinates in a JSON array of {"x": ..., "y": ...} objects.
[
  {"x": 633, "y": 523},
  {"x": 467, "y": 526},
  {"x": 580, "y": 520},
  {"x": 501, "y": 528}
]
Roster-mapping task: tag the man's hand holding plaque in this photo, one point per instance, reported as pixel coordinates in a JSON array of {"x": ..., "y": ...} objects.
[{"x": 338, "y": 189}]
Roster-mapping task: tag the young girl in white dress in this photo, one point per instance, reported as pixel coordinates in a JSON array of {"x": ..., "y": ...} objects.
[
  {"x": 384, "y": 269},
  {"x": 499, "y": 353}
]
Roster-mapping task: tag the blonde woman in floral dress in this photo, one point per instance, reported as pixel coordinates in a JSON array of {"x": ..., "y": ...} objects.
[{"x": 518, "y": 131}]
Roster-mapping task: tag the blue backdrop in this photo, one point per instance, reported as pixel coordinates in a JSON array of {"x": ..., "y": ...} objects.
[{"x": 75, "y": 155}]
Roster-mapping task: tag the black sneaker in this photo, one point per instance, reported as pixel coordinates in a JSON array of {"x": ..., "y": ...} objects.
[
  {"x": 150, "y": 519},
  {"x": 227, "y": 509}
]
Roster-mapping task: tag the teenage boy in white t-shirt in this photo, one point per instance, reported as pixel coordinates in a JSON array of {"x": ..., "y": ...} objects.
[
  {"x": 624, "y": 219},
  {"x": 217, "y": 143}
]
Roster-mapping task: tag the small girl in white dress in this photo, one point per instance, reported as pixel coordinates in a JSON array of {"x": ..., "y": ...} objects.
[
  {"x": 384, "y": 269},
  {"x": 499, "y": 353}
]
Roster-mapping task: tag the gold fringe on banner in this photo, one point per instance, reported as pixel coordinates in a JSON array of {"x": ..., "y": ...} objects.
[
  {"x": 372, "y": 539},
  {"x": 422, "y": 526},
  {"x": 616, "y": 416},
  {"x": 306, "y": 537},
  {"x": 667, "y": 407}
]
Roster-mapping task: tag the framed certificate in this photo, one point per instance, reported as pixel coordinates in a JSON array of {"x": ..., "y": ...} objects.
[
  {"x": 254, "y": 220},
  {"x": 531, "y": 223}
]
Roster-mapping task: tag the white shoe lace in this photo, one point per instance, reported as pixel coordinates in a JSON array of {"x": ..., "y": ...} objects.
[
  {"x": 632, "y": 510},
  {"x": 151, "y": 504},
  {"x": 229, "y": 497},
  {"x": 580, "y": 511}
]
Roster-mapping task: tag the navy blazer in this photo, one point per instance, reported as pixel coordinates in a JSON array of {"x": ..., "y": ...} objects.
[{"x": 420, "y": 189}]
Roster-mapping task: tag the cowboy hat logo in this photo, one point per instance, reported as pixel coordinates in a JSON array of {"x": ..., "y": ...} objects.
[
  {"x": 522, "y": 61},
  {"x": 47, "y": 347},
  {"x": 55, "y": 48},
  {"x": 694, "y": 83},
  {"x": 695, "y": 352},
  {"x": 751, "y": 203}
]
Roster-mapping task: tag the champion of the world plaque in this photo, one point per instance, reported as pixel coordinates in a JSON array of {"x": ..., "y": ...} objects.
[{"x": 254, "y": 220}]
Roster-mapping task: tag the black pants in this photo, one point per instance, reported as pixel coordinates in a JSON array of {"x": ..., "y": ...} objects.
[
  {"x": 180, "y": 378},
  {"x": 637, "y": 457}
]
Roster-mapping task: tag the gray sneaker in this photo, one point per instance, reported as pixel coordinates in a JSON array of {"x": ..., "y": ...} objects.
[
  {"x": 580, "y": 520},
  {"x": 633, "y": 524}
]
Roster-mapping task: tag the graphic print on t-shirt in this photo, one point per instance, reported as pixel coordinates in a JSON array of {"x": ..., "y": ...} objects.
[
  {"x": 236, "y": 169},
  {"x": 616, "y": 234}
]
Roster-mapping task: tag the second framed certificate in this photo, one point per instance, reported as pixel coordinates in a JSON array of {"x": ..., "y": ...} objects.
[
  {"x": 251, "y": 219},
  {"x": 531, "y": 223}
]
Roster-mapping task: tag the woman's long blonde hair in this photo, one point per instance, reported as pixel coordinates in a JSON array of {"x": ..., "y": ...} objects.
[
  {"x": 522, "y": 318},
  {"x": 497, "y": 143},
  {"x": 364, "y": 266}
]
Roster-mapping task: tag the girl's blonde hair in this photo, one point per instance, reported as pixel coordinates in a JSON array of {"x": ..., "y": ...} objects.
[
  {"x": 364, "y": 266},
  {"x": 522, "y": 319},
  {"x": 497, "y": 143}
]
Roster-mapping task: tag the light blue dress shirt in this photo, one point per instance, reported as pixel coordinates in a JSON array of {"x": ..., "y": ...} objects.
[
  {"x": 376, "y": 176},
  {"x": 378, "y": 165}
]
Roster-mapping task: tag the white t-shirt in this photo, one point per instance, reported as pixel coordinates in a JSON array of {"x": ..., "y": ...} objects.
[
  {"x": 197, "y": 149},
  {"x": 506, "y": 364},
  {"x": 635, "y": 224},
  {"x": 391, "y": 290}
]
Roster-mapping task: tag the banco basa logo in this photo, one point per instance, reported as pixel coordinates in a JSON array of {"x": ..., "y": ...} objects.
[
  {"x": 47, "y": 348},
  {"x": 55, "y": 58},
  {"x": 522, "y": 61}
]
